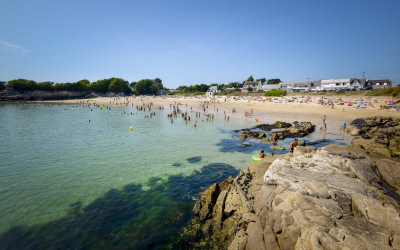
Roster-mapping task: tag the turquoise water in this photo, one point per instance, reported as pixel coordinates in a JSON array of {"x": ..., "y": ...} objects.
[{"x": 67, "y": 182}]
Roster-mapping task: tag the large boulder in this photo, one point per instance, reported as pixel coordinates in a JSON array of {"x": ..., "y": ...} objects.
[
  {"x": 326, "y": 198},
  {"x": 389, "y": 171}
]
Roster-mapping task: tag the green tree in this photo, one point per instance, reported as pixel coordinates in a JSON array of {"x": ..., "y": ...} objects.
[
  {"x": 2, "y": 86},
  {"x": 250, "y": 89},
  {"x": 22, "y": 85},
  {"x": 143, "y": 87},
  {"x": 158, "y": 85},
  {"x": 101, "y": 86},
  {"x": 119, "y": 85},
  {"x": 45, "y": 86},
  {"x": 274, "y": 81},
  {"x": 250, "y": 79},
  {"x": 262, "y": 80}
]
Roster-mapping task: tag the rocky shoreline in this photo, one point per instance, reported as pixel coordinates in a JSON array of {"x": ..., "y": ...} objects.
[
  {"x": 282, "y": 130},
  {"x": 12, "y": 96},
  {"x": 334, "y": 197}
]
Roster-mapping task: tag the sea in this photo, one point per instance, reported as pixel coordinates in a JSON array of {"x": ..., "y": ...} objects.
[{"x": 79, "y": 177}]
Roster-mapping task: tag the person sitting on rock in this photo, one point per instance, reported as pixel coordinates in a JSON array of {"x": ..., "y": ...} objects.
[
  {"x": 293, "y": 145},
  {"x": 262, "y": 154}
]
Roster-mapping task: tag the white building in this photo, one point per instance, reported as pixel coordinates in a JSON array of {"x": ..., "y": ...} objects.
[
  {"x": 328, "y": 84},
  {"x": 255, "y": 85},
  {"x": 268, "y": 87},
  {"x": 212, "y": 90},
  {"x": 295, "y": 86}
]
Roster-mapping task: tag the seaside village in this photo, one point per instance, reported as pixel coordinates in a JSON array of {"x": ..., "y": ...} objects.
[{"x": 325, "y": 85}]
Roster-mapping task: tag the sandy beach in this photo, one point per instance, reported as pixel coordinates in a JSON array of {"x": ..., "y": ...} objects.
[{"x": 288, "y": 107}]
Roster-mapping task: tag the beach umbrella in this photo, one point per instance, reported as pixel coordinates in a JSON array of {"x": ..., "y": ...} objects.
[
  {"x": 360, "y": 103},
  {"x": 389, "y": 100},
  {"x": 383, "y": 103}
]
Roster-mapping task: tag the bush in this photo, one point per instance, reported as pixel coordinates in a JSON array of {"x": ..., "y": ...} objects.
[
  {"x": 275, "y": 93},
  {"x": 393, "y": 91}
]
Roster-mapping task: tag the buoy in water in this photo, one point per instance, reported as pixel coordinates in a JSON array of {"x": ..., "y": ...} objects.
[{"x": 131, "y": 128}]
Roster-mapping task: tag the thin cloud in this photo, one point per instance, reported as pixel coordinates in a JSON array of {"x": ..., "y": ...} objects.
[{"x": 10, "y": 48}]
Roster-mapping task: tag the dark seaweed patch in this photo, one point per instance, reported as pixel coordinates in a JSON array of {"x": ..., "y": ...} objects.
[
  {"x": 194, "y": 159},
  {"x": 131, "y": 218}
]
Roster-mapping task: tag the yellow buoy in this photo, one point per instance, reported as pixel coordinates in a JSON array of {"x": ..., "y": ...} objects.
[
  {"x": 241, "y": 116},
  {"x": 131, "y": 128}
]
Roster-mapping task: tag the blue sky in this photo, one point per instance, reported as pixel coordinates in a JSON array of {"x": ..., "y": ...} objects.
[{"x": 192, "y": 42}]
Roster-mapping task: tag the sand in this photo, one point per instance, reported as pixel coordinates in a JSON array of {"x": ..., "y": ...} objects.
[{"x": 279, "y": 107}]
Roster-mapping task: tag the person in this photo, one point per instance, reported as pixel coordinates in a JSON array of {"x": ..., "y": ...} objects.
[
  {"x": 293, "y": 145},
  {"x": 262, "y": 154},
  {"x": 275, "y": 139},
  {"x": 344, "y": 126}
]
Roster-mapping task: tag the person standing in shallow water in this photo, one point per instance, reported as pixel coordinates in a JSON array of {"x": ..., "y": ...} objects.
[
  {"x": 262, "y": 154},
  {"x": 293, "y": 145},
  {"x": 275, "y": 139}
]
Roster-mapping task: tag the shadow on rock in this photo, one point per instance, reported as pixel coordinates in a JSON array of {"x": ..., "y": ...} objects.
[{"x": 123, "y": 219}]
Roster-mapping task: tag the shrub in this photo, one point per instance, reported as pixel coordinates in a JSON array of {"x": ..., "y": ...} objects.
[
  {"x": 275, "y": 93},
  {"x": 393, "y": 91}
]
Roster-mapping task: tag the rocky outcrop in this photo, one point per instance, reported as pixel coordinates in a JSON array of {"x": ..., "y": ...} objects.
[
  {"x": 11, "y": 95},
  {"x": 380, "y": 136},
  {"x": 326, "y": 198},
  {"x": 286, "y": 130}
]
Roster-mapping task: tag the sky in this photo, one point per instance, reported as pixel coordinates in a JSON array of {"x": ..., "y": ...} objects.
[{"x": 192, "y": 42}]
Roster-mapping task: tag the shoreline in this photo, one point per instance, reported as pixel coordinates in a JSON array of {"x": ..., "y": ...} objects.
[{"x": 260, "y": 108}]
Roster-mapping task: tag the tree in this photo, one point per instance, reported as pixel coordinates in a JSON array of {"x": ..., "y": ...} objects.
[
  {"x": 250, "y": 79},
  {"x": 45, "y": 86},
  {"x": 250, "y": 89},
  {"x": 262, "y": 80},
  {"x": 22, "y": 85},
  {"x": 143, "y": 87},
  {"x": 119, "y": 85},
  {"x": 2, "y": 87},
  {"x": 101, "y": 86},
  {"x": 158, "y": 84},
  {"x": 274, "y": 81}
]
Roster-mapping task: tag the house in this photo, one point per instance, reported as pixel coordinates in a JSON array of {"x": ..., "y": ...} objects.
[
  {"x": 229, "y": 89},
  {"x": 268, "y": 87},
  {"x": 379, "y": 84},
  {"x": 296, "y": 86},
  {"x": 255, "y": 85},
  {"x": 333, "y": 84},
  {"x": 212, "y": 90},
  {"x": 316, "y": 86}
]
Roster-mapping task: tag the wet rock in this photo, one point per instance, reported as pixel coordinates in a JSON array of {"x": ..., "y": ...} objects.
[
  {"x": 380, "y": 136},
  {"x": 269, "y": 127},
  {"x": 301, "y": 129},
  {"x": 316, "y": 142}
]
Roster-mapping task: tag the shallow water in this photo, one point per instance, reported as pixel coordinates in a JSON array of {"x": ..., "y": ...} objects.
[{"x": 66, "y": 182}]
